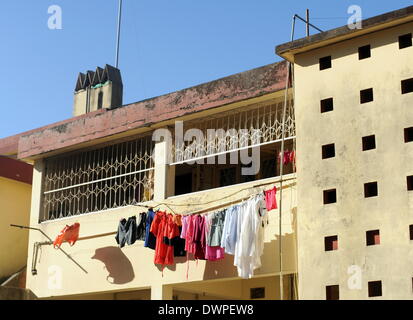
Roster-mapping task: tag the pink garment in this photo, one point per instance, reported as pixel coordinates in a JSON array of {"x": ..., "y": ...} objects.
[
  {"x": 214, "y": 253},
  {"x": 271, "y": 199}
]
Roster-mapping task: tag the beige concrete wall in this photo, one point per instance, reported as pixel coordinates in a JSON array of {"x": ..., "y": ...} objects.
[
  {"x": 111, "y": 269},
  {"x": 389, "y": 164},
  {"x": 15, "y": 200}
]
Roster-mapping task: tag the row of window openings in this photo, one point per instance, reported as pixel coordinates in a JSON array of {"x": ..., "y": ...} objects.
[
  {"x": 374, "y": 290},
  {"x": 328, "y": 151},
  {"x": 366, "y": 96},
  {"x": 372, "y": 239},
  {"x": 370, "y": 190},
  {"x": 364, "y": 52}
]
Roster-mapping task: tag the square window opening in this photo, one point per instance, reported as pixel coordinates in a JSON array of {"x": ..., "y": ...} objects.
[
  {"x": 366, "y": 95},
  {"x": 328, "y": 151},
  {"x": 369, "y": 143},
  {"x": 407, "y": 86},
  {"x": 409, "y": 183},
  {"x": 330, "y": 196},
  {"x": 364, "y": 52},
  {"x": 408, "y": 134},
  {"x": 327, "y": 105},
  {"x": 375, "y": 289},
  {"x": 373, "y": 237},
  {"x": 405, "y": 41},
  {"x": 331, "y": 243},
  {"x": 411, "y": 231},
  {"x": 332, "y": 292},
  {"x": 371, "y": 190},
  {"x": 325, "y": 63}
]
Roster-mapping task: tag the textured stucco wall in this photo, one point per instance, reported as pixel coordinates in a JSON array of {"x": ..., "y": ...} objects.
[
  {"x": 388, "y": 164},
  {"x": 15, "y": 209},
  {"x": 132, "y": 267}
]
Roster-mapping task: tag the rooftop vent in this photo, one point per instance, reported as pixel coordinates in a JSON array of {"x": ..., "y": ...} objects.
[{"x": 100, "y": 89}]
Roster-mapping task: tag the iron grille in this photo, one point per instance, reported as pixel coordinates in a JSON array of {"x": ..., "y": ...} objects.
[{"x": 113, "y": 176}]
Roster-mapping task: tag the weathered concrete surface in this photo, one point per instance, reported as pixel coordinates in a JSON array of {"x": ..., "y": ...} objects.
[
  {"x": 7, "y": 293},
  {"x": 104, "y": 123}
]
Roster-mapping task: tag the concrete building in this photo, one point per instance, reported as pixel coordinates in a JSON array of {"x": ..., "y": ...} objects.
[
  {"x": 353, "y": 91},
  {"x": 104, "y": 165},
  {"x": 15, "y": 197},
  {"x": 345, "y": 219}
]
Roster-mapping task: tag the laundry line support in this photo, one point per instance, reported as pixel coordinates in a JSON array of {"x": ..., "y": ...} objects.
[{"x": 37, "y": 245}]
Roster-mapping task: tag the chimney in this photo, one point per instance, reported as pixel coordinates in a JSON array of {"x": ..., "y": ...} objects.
[{"x": 102, "y": 89}]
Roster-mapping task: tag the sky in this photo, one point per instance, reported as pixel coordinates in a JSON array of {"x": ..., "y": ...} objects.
[{"x": 165, "y": 46}]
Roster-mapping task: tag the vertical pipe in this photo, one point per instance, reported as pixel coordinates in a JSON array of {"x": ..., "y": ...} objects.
[
  {"x": 282, "y": 166},
  {"x": 118, "y": 33},
  {"x": 308, "y": 22}
]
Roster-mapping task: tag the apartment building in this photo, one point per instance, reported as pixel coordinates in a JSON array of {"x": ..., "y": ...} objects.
[
  {"x": 105, "y": 164},
  {"x": 353, "y": 98},
  {"x": 347, "y": 224}
]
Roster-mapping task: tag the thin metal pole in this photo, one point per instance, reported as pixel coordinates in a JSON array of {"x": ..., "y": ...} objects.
[
  {"x": 308, "y": 22},
  {"x": 282, "y": 166},
  {"x": 118, "y": 33},
  {"x": 51, "y": 242}
]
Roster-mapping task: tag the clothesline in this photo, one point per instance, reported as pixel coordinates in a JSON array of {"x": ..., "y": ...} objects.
[{"x": 159, "y": 204}]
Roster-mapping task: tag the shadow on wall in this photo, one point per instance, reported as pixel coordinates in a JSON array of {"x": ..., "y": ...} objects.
[{"x": 116, "y": 263}]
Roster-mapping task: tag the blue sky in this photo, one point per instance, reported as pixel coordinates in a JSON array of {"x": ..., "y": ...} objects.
[{"x": 166, "y": 46}]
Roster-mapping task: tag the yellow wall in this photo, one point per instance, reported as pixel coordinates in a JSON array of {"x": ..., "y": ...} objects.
[
  {"x": 388, "y": 164},
  {"x": 15, "y": 200},
  {"x": 132, "y": 268}
]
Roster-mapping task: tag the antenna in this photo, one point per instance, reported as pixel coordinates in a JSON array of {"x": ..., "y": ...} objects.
[{"x": 118, "y": 34}]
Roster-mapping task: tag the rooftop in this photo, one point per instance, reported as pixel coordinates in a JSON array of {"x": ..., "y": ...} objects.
[
  {"x": 290, "y": 49},
  {"x": 102, "y": 124}
]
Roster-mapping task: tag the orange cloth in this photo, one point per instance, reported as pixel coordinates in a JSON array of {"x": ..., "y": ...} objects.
[
  {"x": 163, "y": 226},
  {"x": 69, "y": 234}
]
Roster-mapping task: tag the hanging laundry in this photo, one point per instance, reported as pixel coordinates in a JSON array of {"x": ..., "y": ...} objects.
[
  {"x": 214, "y": 224},
  {"x": 69, "y": 234},
  {"x": 141, "y": 227},
  {"x": 271, "y": 199},
  {"x": 126, "y": 232},
  {"x": 163, "y": 227},
  {"x": 199, "y": 237},
  {"x": 230, "y": 230},
  {"x": 177, "y": 242},
  {"x": 287, "y": 158},
  {"x": 250, "y": 244},
  {"x": 150, "y": 239}
]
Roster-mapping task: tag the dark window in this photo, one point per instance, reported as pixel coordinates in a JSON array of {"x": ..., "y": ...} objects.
[
  {"x": 409, "y": 183},
  {"x": 257, "y": 293},
  {"x": 408, "y": 134},
  {"x": 100, "y": 100},
  {"x": 183, "y": 184},
  {"x": 369, "y": 143},
  {"x": 366, "y": 95},
  {"x": 364, "y": 52},
  {"x": 227, "y": 176},
  {"x": 375, "y": 289},
  {"x": 332, "y": 293},
  {"x": 330, "y": 196},
  {"x": 331, "y": 243},
  {"x": 373, "y": 237},
  {"x": 328, "y": 151},
  {"x": 411, "y": 231},
  {"x": 407, "y": 86},
  {"x": 325, "y": 63},
  {"x": 371, "y": 190},
  {"x": 327, "y": 105},
  {"x": 405, "y": 41}
]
